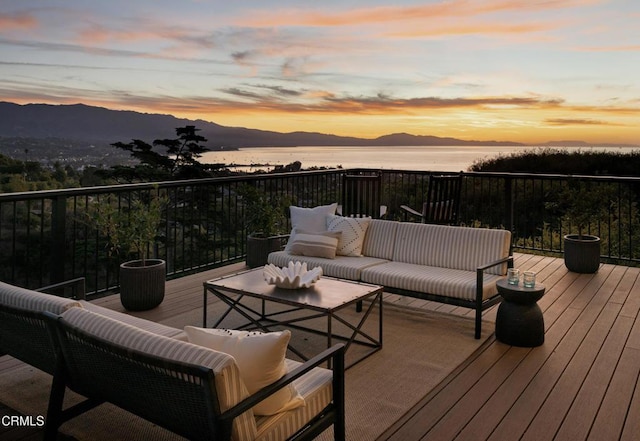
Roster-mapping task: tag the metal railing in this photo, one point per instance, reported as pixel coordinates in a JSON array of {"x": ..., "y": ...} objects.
[{"x": 45, "y": 236}]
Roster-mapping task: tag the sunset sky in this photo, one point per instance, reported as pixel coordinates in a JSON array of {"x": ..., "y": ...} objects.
[{"x": 525, "y": 70}]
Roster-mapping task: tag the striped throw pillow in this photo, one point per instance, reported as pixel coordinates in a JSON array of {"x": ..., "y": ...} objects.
[{"x": 318, "y": 244}]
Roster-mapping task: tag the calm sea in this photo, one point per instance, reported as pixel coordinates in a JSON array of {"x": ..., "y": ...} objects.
[{"x": 434, "y": 158}]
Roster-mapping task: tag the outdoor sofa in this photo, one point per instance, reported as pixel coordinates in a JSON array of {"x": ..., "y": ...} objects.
[
  {"x": 448, "y": 264},
  {"x": 149, "y": 369}
]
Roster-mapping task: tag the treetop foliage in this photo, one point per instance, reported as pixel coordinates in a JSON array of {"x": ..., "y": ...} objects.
[
  {"x": 563, "y": 161},
  {"x": 164, "y": 158}
]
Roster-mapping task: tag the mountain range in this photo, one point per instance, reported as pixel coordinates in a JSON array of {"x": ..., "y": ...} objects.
[{"x": 100, "y": 126}]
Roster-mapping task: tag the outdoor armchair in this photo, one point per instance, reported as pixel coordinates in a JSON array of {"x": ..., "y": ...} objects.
[{"x": 442, "y": 202}]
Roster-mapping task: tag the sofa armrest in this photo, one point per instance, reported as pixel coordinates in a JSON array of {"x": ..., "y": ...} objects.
[
  {"x": 78, "y": 286},
  {"x": 480, "y": 274},
  {"x": 508, "y": 260},
  {"x": 334, "y": 353}
]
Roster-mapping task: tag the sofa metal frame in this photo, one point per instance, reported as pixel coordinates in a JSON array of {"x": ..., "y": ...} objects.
[{"x": 478, "y": 304}]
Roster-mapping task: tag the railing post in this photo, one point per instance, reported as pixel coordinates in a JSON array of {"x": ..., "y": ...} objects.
[
  {"x": 58, "y": 239},
  {"x": 509, "y": 202}
]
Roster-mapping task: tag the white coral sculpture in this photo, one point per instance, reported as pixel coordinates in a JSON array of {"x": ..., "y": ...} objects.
[{"x": 294, "y": 276}]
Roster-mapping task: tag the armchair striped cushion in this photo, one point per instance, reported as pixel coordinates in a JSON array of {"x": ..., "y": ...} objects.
[
  {"x": 30, "y": 300},
  {"x": 315, "y": 388},
  {"x": 147, "y": 325}
]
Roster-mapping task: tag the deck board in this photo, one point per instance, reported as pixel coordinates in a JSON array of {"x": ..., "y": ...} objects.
[{"x": 583, "y": 383}]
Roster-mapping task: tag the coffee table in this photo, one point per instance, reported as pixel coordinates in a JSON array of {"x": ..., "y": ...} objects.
[{"x": 329, "y": 299}]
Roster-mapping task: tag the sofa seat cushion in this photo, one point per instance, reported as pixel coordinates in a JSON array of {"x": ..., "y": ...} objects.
[
  {"x": 462, "y": 248},
  {"x": 342, "y": 267},
  {"x": 316, "y": 389},
  {"x": 448, "y": 282},
  {"x": 146, "y": 325},
  {"x": 230, "y": 388},
  {"x": 30, "y": 300}
]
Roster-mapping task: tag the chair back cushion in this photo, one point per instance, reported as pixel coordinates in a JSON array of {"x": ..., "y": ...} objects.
[{"x": 28, "y": 299}]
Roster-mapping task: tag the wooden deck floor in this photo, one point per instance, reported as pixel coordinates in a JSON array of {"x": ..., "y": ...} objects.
[{"x": 583, "y": 383}]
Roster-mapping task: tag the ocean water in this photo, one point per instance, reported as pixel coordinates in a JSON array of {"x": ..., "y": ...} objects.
[{"x": 433, "y": 158}]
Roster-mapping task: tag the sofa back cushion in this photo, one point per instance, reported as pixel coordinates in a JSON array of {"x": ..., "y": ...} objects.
[
  {"x": 28, "y": 299},
  {"x": 444, "y": 246},
  {"x": 379, "y": 241},
  {"x": 229, "y": 385}
]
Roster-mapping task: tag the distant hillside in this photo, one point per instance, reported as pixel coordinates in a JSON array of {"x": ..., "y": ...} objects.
[{"x": 99, "y": 125}]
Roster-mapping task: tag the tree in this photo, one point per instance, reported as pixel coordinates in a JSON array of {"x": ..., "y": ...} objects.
[{"x": 179, "y": 160}]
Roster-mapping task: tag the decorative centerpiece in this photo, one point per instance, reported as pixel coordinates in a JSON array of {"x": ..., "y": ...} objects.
[{"x": 294, "y": 276}]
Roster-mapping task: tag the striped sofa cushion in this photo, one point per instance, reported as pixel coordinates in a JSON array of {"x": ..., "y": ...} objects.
[
  {"x": 147, "y": 325},
  {"x": 460, "y": 248},
  {"x": 315, "y": 387},
  {"x": 28, "y": 299},
  {"x": 380, "y": 239},
  {"x": 448, "y": 282},
  {"x": 342, "y": 267},
  {"x": 231, "y": 390}
]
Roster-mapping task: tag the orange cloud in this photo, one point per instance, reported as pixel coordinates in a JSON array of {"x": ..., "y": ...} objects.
[
  {"x": 466, "y": 29},
  {"x": 454, "y": 9},
  {"x": 17, "y": 21}
]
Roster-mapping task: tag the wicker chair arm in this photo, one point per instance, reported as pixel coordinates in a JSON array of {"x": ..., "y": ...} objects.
[{"x": 334, "y": 353}]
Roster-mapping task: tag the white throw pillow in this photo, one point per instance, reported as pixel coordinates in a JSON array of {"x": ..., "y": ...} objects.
[
  {"x": 260, "y": 359},
  {"x": 353, "y": 231},
  {"x": 320, "y": 244},
  {"x": 309, "y": 219}
]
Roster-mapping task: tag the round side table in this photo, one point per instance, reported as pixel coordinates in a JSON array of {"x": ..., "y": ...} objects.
[{"x": 519, "y": 321}]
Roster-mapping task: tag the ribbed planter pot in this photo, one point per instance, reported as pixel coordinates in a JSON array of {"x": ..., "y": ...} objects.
[
  {"x": 258, "y": 249},
  {"x": 142, "y": 287},
  {"x": 582, "y": 253}
]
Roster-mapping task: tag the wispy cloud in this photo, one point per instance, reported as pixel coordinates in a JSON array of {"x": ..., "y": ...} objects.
[
  {"x": 387, "y": 14},
  {"x": 612, "y": 48},
  {"x": 20, "y": 20},
  {"x": 578, "y": 122}
]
